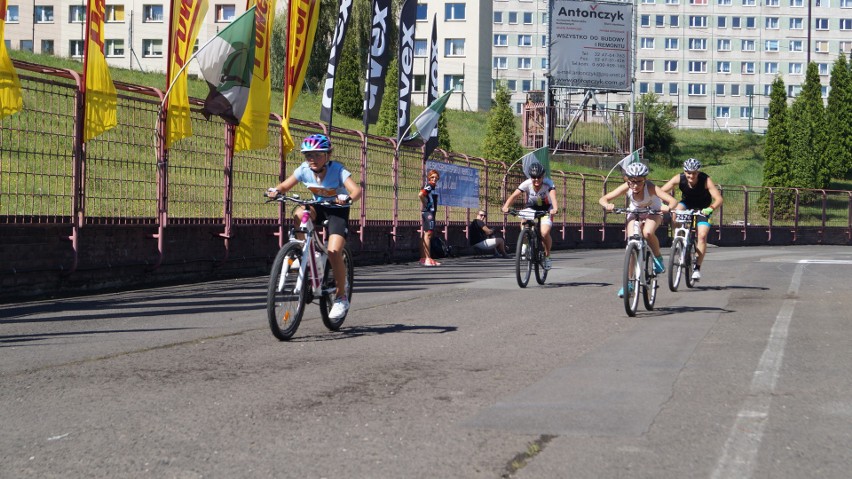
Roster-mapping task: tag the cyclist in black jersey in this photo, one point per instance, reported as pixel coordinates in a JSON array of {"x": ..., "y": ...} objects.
[{"x": 698, "y": 192}]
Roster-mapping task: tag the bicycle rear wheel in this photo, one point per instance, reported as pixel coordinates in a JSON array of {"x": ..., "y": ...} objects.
[
  {"x": 691, "y": 257},
  {"x": 676, "y": 264},
  {"x": 329, "y": 291},
  {"x": 540, "y": 272},
  {"x": 524, "y": 258},
  {"x": 286, "y": 293},
  {"x": 630, "y": 281},
  {"x": 649, "y": 290}
]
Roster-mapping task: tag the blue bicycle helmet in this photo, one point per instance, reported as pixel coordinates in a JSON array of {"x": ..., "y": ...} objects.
[{"x": 316, "y": 142}]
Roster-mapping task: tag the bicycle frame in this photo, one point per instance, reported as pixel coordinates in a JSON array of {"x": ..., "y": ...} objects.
[
  {"x": 687, "y": 232},
  {"x": 309, "y": 258}
]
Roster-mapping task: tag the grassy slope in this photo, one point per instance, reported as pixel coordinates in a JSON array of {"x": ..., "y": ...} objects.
[{"x": 731, "y": 159}]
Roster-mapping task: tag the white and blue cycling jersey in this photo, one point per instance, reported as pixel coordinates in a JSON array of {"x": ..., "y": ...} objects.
[
  {"x": 538, "y": 200},
  {"x": 330, "y": 186}
]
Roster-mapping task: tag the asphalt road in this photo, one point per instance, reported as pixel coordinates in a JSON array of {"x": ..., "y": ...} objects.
[{"x": 449, "y": 372}]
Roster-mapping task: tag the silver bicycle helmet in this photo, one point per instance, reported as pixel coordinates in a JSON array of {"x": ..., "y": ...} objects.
[
  {"x": 536, "y": 170},
  {"x": 634, "y": 170},
  {"x": 691, "y": 165}
]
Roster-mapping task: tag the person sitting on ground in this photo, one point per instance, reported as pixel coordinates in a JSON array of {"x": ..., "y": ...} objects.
[
  {"x": 482, "y": 237},
  {"x": 540, "y": 196},
  {"x": 642, "y": 194}
]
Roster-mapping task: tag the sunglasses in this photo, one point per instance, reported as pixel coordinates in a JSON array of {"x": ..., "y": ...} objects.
[
  {"x": 635, "y": 182},
  {"x": 482, "y": 215}
]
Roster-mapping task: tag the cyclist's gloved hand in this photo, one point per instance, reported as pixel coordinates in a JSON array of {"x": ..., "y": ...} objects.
[
  {"x": 707, "y": 211},
  {"x": 272, "y": 192},
  {"x": 344, "y": 199}
]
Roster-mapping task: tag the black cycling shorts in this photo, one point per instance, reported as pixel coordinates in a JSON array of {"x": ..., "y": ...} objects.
[{"x": 338, "y": 219}]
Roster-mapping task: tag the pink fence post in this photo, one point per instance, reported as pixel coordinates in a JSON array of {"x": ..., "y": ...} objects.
[{"x": 228, "y": 191}]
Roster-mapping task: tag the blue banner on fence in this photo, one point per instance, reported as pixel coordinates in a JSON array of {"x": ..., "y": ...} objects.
[{"x": 458, "y": 186}]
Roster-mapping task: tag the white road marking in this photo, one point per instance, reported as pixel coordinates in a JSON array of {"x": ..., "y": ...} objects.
[
  {"x": 740, "y": 452},
  {"x": 825, "y": 261}
]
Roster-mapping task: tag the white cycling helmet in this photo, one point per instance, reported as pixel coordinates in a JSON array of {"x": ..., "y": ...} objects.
[
  {"x": 691, "y": 165},
  {"x": 634, "y": 170}
]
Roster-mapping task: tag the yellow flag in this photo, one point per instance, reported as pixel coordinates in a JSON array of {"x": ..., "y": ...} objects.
[
  {"x": 300, "y": 42},
  {"x": 186, "y": 19},
  {"x": 253, "y": 130},
  {"x": 99, "y": 90},
  {"x": 10, "y": 87}
]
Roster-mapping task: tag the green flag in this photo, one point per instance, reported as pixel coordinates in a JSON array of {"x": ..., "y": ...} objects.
[
  {"x": 427, "y": 121},
  {"x": 537, "y": 156},
  {"x": 226, "y": 63}
]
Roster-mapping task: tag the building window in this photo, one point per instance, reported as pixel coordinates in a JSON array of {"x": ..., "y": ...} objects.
[
  {"x": 658, "y": 88},
  {"x": 767, "y": 90},
  {"x": 747, "y": 45},
  {"x": 422, "y": 14},
  {"x": 673, "y": 89},
  {"x": 454, "y": 82},
  {"x": 26, "y": 46},
  {"x": 114, "y": 48},
  {"x": 646, "y": 65},
  {"x": 672, "y": 2},
  {"x": 513, "y": 18},
  {"x": 771, "y": 45},
  {"x": 114, "y": 14},
  {"x": 722, "y": 22},
  {"x": 644, "y": 20},
  {"x": 420, "y": 47},
  {"x": 670, "y": 66},
  {"x": 643, "y": 87},
  {"x": 794, "y": 69},
  {"x": 745, "y": 112},
  {"x": 524, "y": 63},
  {"x": 152, "y": 48},
  {"x": 544, "y": 64},
  {"x": 796, "y": 45},
  {"x": 43, "y": 14},
  {"x": 454, "y": 47},
  {"x": 697, "y": 66},
  {"x": 797, "y": 3},
  {"x": 698, "y": 89},
  {"x": 225, "y": 13},
  {"x": 720, "y": 89},
  {"x": 544, "y": 41},
  {"x": 696, "y": 112},
  {"x": 821, "y": 23},
  {"x": 751, "y": 22},
  {"x": 672, "y": 43},
  {"x": 747, "y": 68},
  {"x": 735, "y": 90},
  {"x": 796, "y": 23},
  {"x": 845, "y": 3},
  {"x": 501, "y": 63},
  {"x": 512, "y": 85},
  {"x": 501, "y": 40},
  {"x": 723, "y": 67},
  {"x": 749, "y": 3},
  {"x": 454, "y": 11},
  {"x": 647, "y": 43},
  {"x": 524, "y": 40},
  {"x": 736, "y": 22},
  {"x": 846, "y": 23},
  {"x": 526, "y": 85},
  {"x": 772, "y": 23},
  {"x": 660, "y": 20},
  {"x": 498, "y": 17},
  {"x": 76, "y": 14},
  {"x": 793, "y": 90},
  {"x": 723, "y": 112},
  {"x": 75, "y": 48},
  {"x": 674, "y": 21},
  {"x": 770, "y": 67},
  {"x": 845, "y": 46},
  {"x": 772, "y": 3},
  {"x": 528, "y": 18},
  {"x": 47, "y": 47},
  {"x": 419, "y": 83},
  {"x": 12, "y": 14},
  {"x": 152, "y": 13},
  {"x": 649, "y": 2},
  {"x": 823, "y": 68},
  {"x": 821, "y": 46},
  {"x": 726, "y": 3},
  {"x": 824, "y": 91},
  {"x": 698, "y": 44},
  {"x": 723, "y": 45},
  {"x": 698, "y": 21},
  {"x": 698, "y": 2}
]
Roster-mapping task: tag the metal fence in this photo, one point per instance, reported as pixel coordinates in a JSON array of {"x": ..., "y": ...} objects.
[{"x": 124, "y": 177}]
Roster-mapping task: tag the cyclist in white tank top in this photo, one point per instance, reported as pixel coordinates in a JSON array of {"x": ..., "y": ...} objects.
[{"x": 642, "y": 194}]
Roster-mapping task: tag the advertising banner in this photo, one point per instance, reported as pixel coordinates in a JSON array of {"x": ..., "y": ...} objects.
[{"x": 458, "y": 186}]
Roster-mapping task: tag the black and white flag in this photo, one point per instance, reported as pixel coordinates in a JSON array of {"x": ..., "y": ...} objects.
[
  {"x": 343, "y": 14},
  {"x": 407, "y": 20},
  {"x": 377, "y": 62}
]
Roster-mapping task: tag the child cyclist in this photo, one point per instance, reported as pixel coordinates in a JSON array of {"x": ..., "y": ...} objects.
[
  {"x": 541, "y": 196},
  {"x": 328, "y": 181},
  {"x": 642, "y": 194}
]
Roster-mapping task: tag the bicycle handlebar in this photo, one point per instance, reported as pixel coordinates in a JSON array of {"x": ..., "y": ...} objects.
[
  {"x": 638, "y": 211},
  {"x": 536, "y": 213},
  {"x": 281, "y": 197}
]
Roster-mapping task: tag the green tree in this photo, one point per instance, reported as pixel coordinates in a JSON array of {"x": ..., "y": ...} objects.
[
  {"x": 502, "y": 141},
  {"x": 659, "y": 128},
  {"x": 776, "y": 167},
  {"x": 348, "y": 99},
  {"x": 807, "y": 134},
  {"x": 444, "y": 142},
  {"x": 838, "y": 116},
  {"x": 277, "y": 53},
  {"x": 388, "y": 121}
]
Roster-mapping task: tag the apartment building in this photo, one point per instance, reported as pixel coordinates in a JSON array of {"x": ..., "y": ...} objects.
[{"x": 520, "y": 47}]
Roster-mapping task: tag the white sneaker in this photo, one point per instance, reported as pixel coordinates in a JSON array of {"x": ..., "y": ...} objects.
[
  {"x": 547, "y": 262},
  {"x": 341, "y": 306},
  {"x": 696, "y": 275},
  {"x": 523, "y": 250}
]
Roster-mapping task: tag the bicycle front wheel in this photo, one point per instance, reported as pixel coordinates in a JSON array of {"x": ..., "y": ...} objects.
[
  {"x": 630, "y": 281},
  {"x": 329, "y": 291},
  {"x": 649, "y": 289},
  {"x": 524, "y": 258},
  {"x": 676, "y": 264},
  {"x": 286, "y": 294},
  {"x": 691, "y": 257}
]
